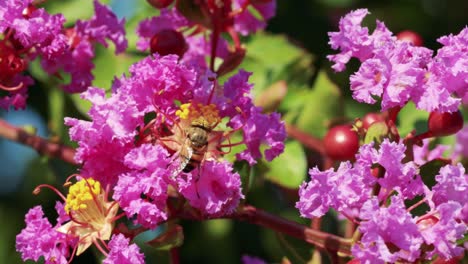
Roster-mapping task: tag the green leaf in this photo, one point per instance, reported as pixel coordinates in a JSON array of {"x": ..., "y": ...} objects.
[
  {"x": 322, "y": 104},
  {"x": 410, "y": 119},
  {"x": 429, "y": 170},
  {"x": 376, "y": 132},
  {"x": 290, "y": 168},
  {"x": 108, "y": 65},
  {"x": 56, "y": 111},
  {"x": 72, "y": 10},
  {"x": 273, "y": 58},
  {"x": 81, "y": 104}
]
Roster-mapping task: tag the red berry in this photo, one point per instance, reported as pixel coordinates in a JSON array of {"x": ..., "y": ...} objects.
[
  {"x": 341, "y": 143},
  {"x": 160, "y": 3},
  {"x": 410, "y": 36},
  {"x": 27, "y": 12},
  {"x": 168, "y": 41},
  {"x": 445, "y": 124},
  {"x": 354, "y": 261},
  {"x": 371, "y": 118}
]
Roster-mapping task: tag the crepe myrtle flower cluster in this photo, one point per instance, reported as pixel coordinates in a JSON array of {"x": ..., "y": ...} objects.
[
  {"x": 29, "y": 32},
  {"x": 397, "y": 72},
  {"x": 380, "y": 190},
  {"x": 351, "y": 191},
  {"x": 140, "y": 139}
]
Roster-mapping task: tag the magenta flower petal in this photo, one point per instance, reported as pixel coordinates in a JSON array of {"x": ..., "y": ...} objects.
[
  {"x": 216, "y": 190},
  {"x": 387, "y": 225},
  {"x": 39, "y": 238},
  {"x": 122, "y": 252}
]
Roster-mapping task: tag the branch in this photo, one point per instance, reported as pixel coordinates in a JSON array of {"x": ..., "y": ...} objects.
[
  {"x": 317, "y": 238},
  {"x": 41, "y": 145},
  {"x": 248, "y": 213},
  {"x": 306, "y": 139}
]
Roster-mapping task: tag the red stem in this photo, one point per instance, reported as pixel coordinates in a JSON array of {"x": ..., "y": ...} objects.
[
  {"x": 307, "y": 140},
  {"x": 321, "y": 240},
  {"x": 41, "y": 145},
  {"x": 175, "y": 259}
]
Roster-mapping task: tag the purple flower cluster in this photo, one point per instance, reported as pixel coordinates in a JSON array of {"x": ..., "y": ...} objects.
[
  {"x": 40, "y": 238},
  {"x": 350, "y": 190},
  {"x": 140, "y": 159},
  {"x": 397, "y": 72},
  {"x": 30, "y": 32}
]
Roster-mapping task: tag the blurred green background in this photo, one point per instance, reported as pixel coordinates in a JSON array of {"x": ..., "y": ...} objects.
[{"x": 292, "y": 49}]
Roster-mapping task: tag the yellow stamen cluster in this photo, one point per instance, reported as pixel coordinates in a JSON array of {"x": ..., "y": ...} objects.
[
  {"x": 205, "y": 115},
  {"x": 81, "y": 193}
]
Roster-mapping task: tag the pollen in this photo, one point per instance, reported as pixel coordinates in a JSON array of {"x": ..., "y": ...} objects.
[
  {"x": 205, "y": 115},
  {"x": 81, "y": 193},
  {"x": 184, "y": 111},
  {"x": 91, "y": 214}
]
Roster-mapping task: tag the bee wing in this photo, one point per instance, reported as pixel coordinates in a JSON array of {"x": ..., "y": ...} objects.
[{"x": 182, "y": 159}]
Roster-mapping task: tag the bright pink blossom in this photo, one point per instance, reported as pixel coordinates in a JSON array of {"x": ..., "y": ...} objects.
[{"x": 122, "y": 252}]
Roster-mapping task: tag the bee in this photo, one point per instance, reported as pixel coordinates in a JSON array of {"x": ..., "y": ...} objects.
[
  {"x": 192, "y": 151},
  {"x": 195, "y": 145}
]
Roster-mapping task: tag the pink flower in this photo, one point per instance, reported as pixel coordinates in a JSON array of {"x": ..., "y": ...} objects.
[
  {"x": 213, "y": 188},
  {"x": 461, "y": 145},
  {"x": 39, "y": 238},
  {"x": 246, "y": 259},
  {"x": 86, "y": 218},
  {"x": 399, "y": 176},
  {"x": 142, "y": 192},
  {"x": 397, "y": 72},
  {"x": 452, "y": 185},
  {"x": 121, "y": 252},
  {"x": 143, "y": 135},
  {"x": 423, "y": 154},
  {"x": 443, "y": 234},
  {"x": 246, "y": 23},
  {"x": 345, "y": 190},
  {"x": 382, "y": 226},
  {"x": 77, "y": 59}
]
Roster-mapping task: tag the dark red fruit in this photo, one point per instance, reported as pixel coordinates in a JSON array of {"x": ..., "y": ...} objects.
[
  {"x": 371, "y": 118},
  {"x": 341, "y": 143},
  {"x": 27, "y": 12},
  {"x": 410, "y": 36},
  {"x": 168, "y": 41},
  {"x": 445, "y": 124},
  {"x": 160, "y": 3}
]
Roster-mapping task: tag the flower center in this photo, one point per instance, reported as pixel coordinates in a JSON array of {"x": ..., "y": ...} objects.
[
  {"x": 85, "y": 203},
  {"x": 92, "y": 215},
  {"x": 81, "y": 194},
  {"x": 202, "y": 115}
]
